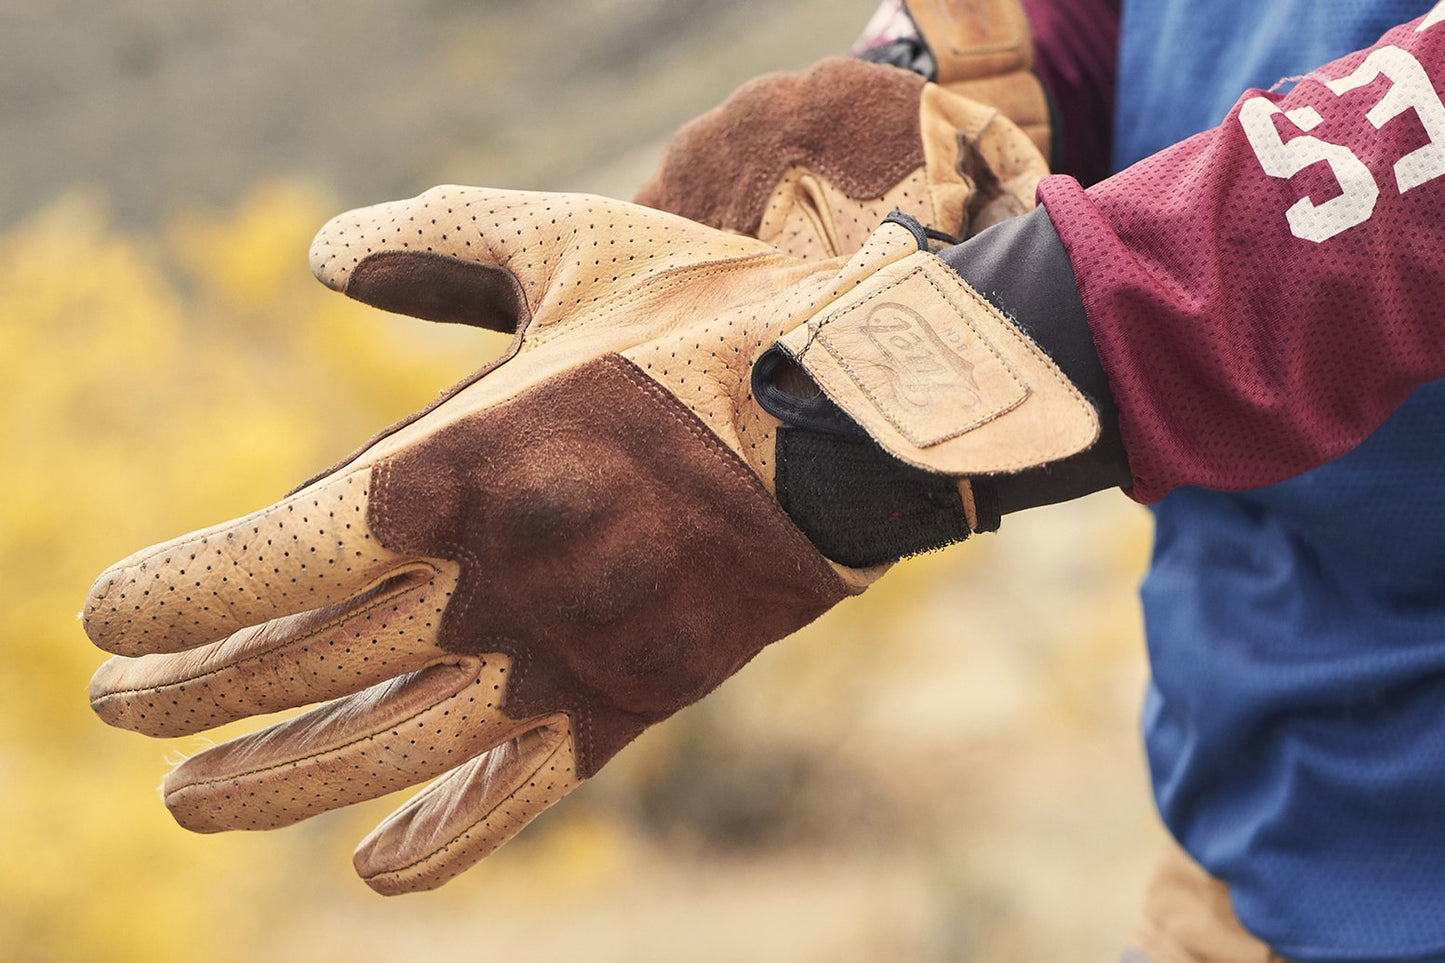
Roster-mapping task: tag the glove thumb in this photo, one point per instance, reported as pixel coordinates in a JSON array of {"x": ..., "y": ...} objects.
[
  {"x": 493, "y": 258},
  {"x": 433, "y": 257}
]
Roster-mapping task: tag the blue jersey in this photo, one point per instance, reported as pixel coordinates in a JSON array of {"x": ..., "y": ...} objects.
[{"x": 1295, "y": 724}]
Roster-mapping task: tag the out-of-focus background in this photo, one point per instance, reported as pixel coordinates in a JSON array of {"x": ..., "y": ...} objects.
[{"x": 945, "y": 769}]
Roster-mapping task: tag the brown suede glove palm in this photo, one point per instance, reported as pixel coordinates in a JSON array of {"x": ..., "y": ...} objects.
[{"x": 568, "y": 547}]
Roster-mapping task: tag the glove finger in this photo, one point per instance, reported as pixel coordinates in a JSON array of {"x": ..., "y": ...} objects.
[
  {"x": 308, "y": 551},
  {"x": 495, "y": 258},
  {"x": 392, "y": 736},
  {"x": 463, "y": 817},
  {"x": 292, "y": 661}
]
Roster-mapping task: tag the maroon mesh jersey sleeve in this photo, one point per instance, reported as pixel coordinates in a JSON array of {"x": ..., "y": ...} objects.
[{"x": 1263, "y": 295}]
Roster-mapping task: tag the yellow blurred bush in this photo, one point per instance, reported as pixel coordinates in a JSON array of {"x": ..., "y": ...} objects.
[{"x": 154, "y": 382}]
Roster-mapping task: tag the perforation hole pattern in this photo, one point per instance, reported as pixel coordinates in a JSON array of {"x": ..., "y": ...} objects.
[
  {"x": 787, "y": 225},
  {"x": 568, "y": 251},
  {"x": 285, "y": 663},
  {"x": 308, "y": 551}
]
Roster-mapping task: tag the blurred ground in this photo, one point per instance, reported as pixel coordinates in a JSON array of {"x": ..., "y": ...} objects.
[{"x": 946, "y": 769}]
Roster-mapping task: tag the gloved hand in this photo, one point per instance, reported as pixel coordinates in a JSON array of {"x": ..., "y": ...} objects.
[
  {"x": 572, "y": 544},
  {"x": 979, "y": 49},
  {"x": 812, "y": 161}
]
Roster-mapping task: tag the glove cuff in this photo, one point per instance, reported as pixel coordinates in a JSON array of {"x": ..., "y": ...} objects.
[
  {"x": 863, "y": 505},
  {"x": 860, "y": 507},
  {"x": 937, "y": 375}
]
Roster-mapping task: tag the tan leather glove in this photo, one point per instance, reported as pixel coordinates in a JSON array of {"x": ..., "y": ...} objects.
[
  {"x": 568, "y": 547},
  {"x": 812, "y": 161},
  {"x": 979, "y": 49}
]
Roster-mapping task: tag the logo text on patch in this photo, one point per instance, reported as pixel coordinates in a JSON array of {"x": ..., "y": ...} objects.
[{"x": 922, "y": 368}]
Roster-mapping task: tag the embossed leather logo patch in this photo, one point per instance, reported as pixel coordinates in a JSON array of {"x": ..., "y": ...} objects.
[
  {"x": 929, "y": 372},
  {"x": 921, "y": 368}
]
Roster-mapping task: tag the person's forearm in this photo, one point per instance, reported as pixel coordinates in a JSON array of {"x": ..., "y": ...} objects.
[{"x": 1264, "y": 294}]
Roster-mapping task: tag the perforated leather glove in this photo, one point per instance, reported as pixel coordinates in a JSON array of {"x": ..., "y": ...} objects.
[
  {"x": 980, "y": 49},
  {"x": 569, "y": 546},
  {"x": 812, "y": 161}
]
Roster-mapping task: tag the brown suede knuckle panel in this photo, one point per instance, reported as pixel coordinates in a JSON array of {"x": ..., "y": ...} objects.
[
  {"x": 439, "y": 287},
  {"x": 613, "y": 546},
  {"x": 853, "y": 122}
]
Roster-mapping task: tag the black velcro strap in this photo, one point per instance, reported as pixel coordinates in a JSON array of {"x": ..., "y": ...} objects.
[{"x": 862, "y": 507}]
